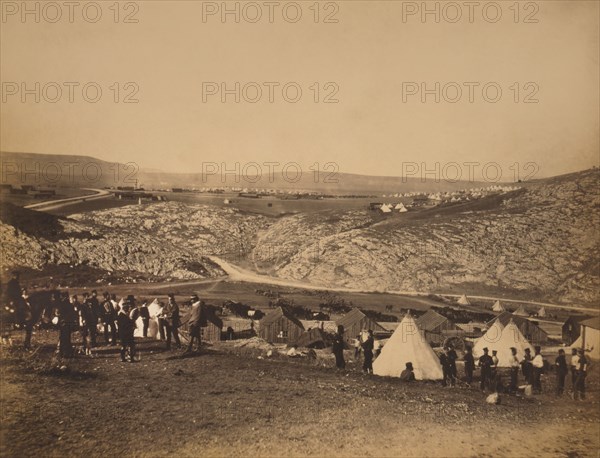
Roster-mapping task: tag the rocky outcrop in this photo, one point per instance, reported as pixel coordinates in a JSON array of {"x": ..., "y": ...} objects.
[
  {"x": 165, "y": 240},
  {"x": 542, "y": 242},
  {"x": 538, "y": 242}
]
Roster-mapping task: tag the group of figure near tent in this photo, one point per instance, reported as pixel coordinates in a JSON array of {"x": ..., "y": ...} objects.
[
  {"x": 125, "y": 319},
  {"x": 408, "y": 355}
]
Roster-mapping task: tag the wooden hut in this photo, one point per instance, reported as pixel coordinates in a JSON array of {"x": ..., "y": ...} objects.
[
  {"x": 355, "y": 322},
  {"x": 280, "y": 326},
  {"x": 437, "y": 327},
  {"x": 571, "y": 328},
  {"x": 211, "y": 332},
  {"x": 530, "y": 330}
]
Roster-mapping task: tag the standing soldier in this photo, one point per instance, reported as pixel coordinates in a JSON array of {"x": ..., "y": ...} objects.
[
  {"x": 144, "y": 314},
  {"x": 574, "y": 363},
  {"x": 485, "y": 363},
  {"x": 514, "y": 370},
  {"x": 89, "y": 321},
  {"x": 561, "y": 372},
  {"x": 67, "y": 318},
  {"x": 469, "y": 365},
  {"x": 195, "y": 323},
  {"x": 538, "y": 368},
  {"x": 170, "y": 314},
  {"x": 126, "y": 330},
  {"x": 338, "y": 348},
  {"x": 527, "y": 368},
  {"x": 452, "y": 357},
  {"x": 27, "y": 320},
  {"x": 109, "y": 318},
  {"x": 367, "y": 347}
]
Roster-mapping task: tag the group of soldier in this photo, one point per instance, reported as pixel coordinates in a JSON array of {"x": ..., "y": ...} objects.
[
  {"x": 117, "y": 319},
  {"x": 531, "y": 367}
]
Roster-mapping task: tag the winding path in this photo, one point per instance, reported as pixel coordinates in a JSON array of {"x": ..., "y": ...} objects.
[
  {"x": 58, "y": 203},
  {"x": 236, "y": 273}
]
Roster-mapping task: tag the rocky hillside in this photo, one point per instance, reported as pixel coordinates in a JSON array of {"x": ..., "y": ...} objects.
[
  {"x": 164, "y": 240},
  {"x": 541, "y": 242}
]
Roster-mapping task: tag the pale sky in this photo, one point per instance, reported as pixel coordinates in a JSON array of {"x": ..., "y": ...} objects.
[{"x": 369, "y": 53}]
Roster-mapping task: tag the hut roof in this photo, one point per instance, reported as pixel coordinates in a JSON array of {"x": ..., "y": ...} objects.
[{"x": 277, "y": 314}]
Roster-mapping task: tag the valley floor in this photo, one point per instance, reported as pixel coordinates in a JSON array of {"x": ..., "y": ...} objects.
[{"x": 226, "y": 401}]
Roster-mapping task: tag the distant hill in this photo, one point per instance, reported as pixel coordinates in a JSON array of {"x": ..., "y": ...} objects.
[{"x": 86, "y": 171}]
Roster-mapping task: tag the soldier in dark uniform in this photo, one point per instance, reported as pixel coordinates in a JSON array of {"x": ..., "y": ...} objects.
[
  {"x": 67, "y": 320},
  {"x": 452, "y": 357},
  {"x": 26, "y": 319},
  {"x": 172, "y": 322},
  {"x": 195, "y": 323},
  {"x": 109, "y": 318},
  {"x": 485, "y": 363},
  {"x": 145, "y": 316},
  {"x": 527, "y": 367},
  {"x": 126, "y": 330},
  {"x": 562, "y": 369},
  {"x": 367, "y": 347},
  {"x": 338, "y": 348},
  {"x": 469, "y": 365},
  {"x": 89, "y": 321}
]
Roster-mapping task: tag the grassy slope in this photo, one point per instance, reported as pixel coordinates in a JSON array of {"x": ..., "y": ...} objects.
[{"x": 226, "y": 402}]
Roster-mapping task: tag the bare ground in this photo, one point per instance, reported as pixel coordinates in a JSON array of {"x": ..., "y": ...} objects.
[{"x": 228, "y": 402}]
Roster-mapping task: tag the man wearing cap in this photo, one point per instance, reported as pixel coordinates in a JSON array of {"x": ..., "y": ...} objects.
[
  {"x": 338, "y": 348},
  {"x": 527, "y": 368},
  {"x": 109, "y": 318},
  {"x": 485, "y": 363},
  {"x": 367, "y": 347},
  {"x": 561, "y": 372},
  {"x": 195, "y": 322},
  {"x": 126, "y": 329},
  {"x": 172, "y": 322}
]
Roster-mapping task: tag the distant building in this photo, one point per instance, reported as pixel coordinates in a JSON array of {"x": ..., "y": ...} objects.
[
  {"x": 177, "y": 190},
  {"x": 375, "y": 206},
  {"x": 571, "y": 328},
  {"x": 249, "y": 195}
]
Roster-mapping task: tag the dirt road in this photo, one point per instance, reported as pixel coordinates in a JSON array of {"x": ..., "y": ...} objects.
[{"x": 236, "y": 273}]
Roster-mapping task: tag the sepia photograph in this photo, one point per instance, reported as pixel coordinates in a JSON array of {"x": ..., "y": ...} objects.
[{"x": 304, "y": 228}]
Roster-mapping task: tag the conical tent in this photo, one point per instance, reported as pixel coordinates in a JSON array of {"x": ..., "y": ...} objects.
[
  {"x": 511, "y": 336},
  {"x": 401, "y": 208},
  {"x": 498, "y": 307},
  {"x": 408, "y": 344},
  {"x": 463, "y": 300},
  {"x": 542, "y": 312},
  {"x": 521, "y": 311},
  {"x": 491, "y": 337}
]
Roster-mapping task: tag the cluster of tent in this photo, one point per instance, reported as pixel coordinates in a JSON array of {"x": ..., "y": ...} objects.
[
  {"x": 389, "y": 208},
  {"x": 408, "y": 344},
  {"x": 498, "y": 307}
]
